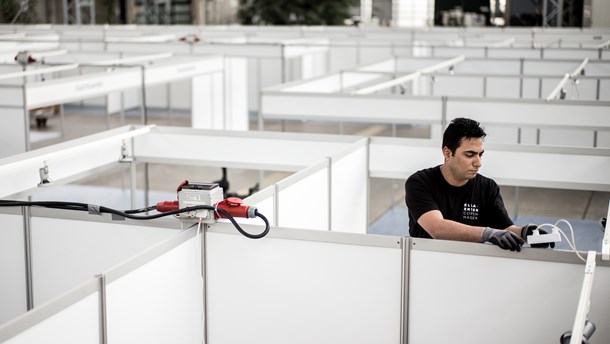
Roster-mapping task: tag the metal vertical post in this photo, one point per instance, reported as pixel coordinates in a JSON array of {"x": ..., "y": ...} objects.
[
  {"x": 102, "y": 300},
  {"x": 329, "y": 162},
  {"x": 559, "y": 13},
  {"x": 516, "y": 212},
  {"x": 77, "y": 10},
  {"x": 27, "y": 244},
  {"x": 204, "y": 277}
]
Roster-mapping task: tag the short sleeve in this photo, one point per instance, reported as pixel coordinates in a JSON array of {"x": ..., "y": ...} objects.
[
  {"x": 498, "y": 217},
  {"x": 419, "y": 195}
]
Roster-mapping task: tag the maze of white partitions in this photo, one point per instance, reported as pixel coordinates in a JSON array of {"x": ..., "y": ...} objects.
[
  {"x": 213, "y": 89},
  {"x": 516, "y": 99},
  {"x": 88, "y": 278},
  {"x": 327, "y": 195},
  {"x": 94, "y": 279}
]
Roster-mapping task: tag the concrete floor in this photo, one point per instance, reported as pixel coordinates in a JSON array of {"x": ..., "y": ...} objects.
[{"x": 385, "y": 193}]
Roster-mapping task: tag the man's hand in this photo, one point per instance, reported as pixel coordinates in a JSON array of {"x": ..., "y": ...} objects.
[
  {"x": 503, "y": 238},
  {"x": 529, "y": 229}
]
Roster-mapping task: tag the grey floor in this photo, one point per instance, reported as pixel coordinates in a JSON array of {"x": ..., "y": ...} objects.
[{"x": 387, "y": 212}]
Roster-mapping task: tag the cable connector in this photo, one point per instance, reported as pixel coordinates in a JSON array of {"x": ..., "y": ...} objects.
[
  {"x": 235, "y": 207},
  {"x": 205, "y": 204},
  {"x": 537, "y": 238}
]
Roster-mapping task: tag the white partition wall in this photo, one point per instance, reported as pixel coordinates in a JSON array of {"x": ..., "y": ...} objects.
[
  {"x": 585, "y": 123},
  {"x": 345, "y": 192},
  {"x": 256, "y": 150},
  {"x": 155, "y": 295},
  {"x": 15, "y": 128},
  {"x": 65, "y": 160},
  {"x": 303, "y": 199},
  {"x": 69, "y": 252},
  {"x": 13, "y": 289},
  {"x": 73, "y": 318},
  {"x": 349, "y": 189},
  {"x": 552, "y": 167},
  {"x": 158, "y": 297},
  {"x": 303, "y": 287},
  {"x": 458, "y": 297},
  {"x": 214, "y": 94}
]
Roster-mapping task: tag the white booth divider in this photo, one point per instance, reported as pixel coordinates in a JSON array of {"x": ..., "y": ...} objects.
[
  {"x": 64, "y": 252},
  {"x": 307, "y": 198},
  {"x": 263, "y": 62},
  {"x": 13, "y": 288},
  {"x": 579, "y": 123},
  {"x": 307, "y": 286},
  {"x": 209, "y": 93},
  {"x": 67, "y": 252},
  {"x": 306, "y": 52},
  {"x": 552, "y": 167},
  {"x": 349, "y": 190},
  {"x": 277, "y": 152},
  {"x": 303, "y": 287},
  {"x": 255, "y": 150},
  {"x": 157, "y": 297},
  {"x": 588, "y": 118},
  {"x": 72, "y": 318},
  {"x": 260, "y": 62},
  {"x": 154, "y": 295},
  {"x": 65, "y": 161},
  {"x": 304, "y": 198},
  {"x": 296, "y": 285},
  {"x": 459, "y": 294}
]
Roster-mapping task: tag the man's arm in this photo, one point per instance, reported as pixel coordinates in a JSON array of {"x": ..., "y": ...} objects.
[
  {"x": 515, "y": 229},
  {"x": 440, "y": 228}
]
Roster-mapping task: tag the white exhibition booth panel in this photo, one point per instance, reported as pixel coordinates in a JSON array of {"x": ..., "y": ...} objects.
[
  {"x": 341, "y": 183},
  {"x": 193, "y": 84},
  {"x": 200, "y": 88},
  {"x": 501, "y": 100},
  {"x": 515, "y": 165},
  {"x": 12, "y": 266},
  {"x": 298, "y": 286},
  {"x": 559, "y": 122},
  {"x": 349, "y": 108},
  {"x": 294, "y": 277},
  {"x": 215, "y": 96},
  {"x": 65, "y": 161},
  {"x": 65, "y": 252},
  {"x": 152, "y": 295},
  {"x": 501, "y": 77},
  {"x": 307, "y": 286},
  {"x": 74, "y": 314},
  {"x": 258, "y": 62},
  {"x": 468, "y": 293},
  {"x": 320, "y": 185}
]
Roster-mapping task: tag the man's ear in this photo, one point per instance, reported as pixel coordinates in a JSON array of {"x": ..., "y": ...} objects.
[{"x": 446, "y": 153}]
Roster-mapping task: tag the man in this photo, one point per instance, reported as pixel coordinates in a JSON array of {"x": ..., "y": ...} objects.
[{"x": 454, "y": 202}]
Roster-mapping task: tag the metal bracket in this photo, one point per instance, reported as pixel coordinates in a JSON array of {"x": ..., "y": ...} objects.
[
  {"x": 44, "y": 175},
  {"x": 125, "y": 157}
]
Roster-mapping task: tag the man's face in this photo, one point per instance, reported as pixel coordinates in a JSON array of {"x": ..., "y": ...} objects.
[{"x": 465, "y": 163}]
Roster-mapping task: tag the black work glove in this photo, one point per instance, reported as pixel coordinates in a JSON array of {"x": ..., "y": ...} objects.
[
  {"x": 503, "y": 238},
  {"x": 529, "y": 229}
]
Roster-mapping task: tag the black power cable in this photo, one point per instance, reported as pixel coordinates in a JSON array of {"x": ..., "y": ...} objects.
[{"x": 95, "y": 209}]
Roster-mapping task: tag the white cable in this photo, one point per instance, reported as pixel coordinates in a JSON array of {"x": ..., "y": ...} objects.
[{"x": 571, "y": 243}]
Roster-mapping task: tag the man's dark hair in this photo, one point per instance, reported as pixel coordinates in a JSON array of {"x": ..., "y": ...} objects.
[{"x": 459, "y": 129}]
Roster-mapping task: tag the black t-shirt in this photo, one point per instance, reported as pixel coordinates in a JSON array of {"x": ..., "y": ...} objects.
[{"x": 478, "y": 203}]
